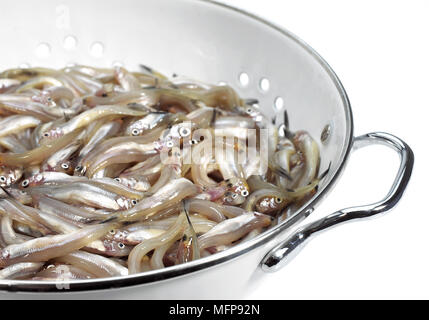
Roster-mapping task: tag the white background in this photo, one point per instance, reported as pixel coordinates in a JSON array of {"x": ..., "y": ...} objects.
[{"x": 380, "y": 51}]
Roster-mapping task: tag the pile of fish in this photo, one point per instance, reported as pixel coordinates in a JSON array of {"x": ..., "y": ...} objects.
[{"x": 94, "y": 181}]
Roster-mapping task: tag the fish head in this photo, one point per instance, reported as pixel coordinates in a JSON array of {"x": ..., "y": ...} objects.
[
  {"x": 271, "y": 204},
  {"x": 9, "y": 175},
  {"x": 49, "y": 136},
  {"x": 237, "y": 190}
]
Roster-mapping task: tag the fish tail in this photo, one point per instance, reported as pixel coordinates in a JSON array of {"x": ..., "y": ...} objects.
[
  {"x": 282, "y": 172},
  {"x": 325, "y": 173},
  {"x": 113, "y": 218}
]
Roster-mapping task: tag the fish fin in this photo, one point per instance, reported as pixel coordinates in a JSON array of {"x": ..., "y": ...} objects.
[
  {"x": 6, "y": 194},
  {"x": 214, "y": 117},
  {"x": 113, "y": 218},
  {"x": 251, "y": 101},
  {"x": 325, "y": 173},
  {"x": 146, "y": 68},
  {"x": 282, "y": 172},
  {"x": 150, "y": 88},
  {"x": 288, "y": 134},
  {"x": 66, "y": 117},
  {"x": 286, "y": 119}
]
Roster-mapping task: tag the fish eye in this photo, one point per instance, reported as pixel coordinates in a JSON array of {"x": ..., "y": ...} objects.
[
  {"x": 134, "y": 202},
  {"x": 46, "y": 134},
  {"x": 249, "y": 110},
  {"x": 65, "y": 166},
  {"x": 121, "y": 245},
  {"x": 169, "y": 144},
  {"x": 3, "y": 179},
  {"x": 244, "y": 193},
  {"x": 278, "y": 200},
  {"x": 135, "y": 132},
  {"x": 112, "y": 231},
  {"x": 234, "y": 195},
  {"x": 184, "y": 132},
  {"x": 117, "y": 179},
  {"x": 193, "y": 141},
  {"x": 78, "y": 168},
  {"x": 25, "y": 183}
]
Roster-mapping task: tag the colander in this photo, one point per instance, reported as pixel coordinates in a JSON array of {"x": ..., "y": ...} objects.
[{"x": 215, "y": 43}]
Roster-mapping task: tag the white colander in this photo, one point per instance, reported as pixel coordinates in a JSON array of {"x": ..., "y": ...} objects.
[{"x": 211, "y": 42}]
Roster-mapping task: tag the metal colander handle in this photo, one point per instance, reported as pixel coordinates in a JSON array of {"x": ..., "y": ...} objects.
[{"x": 285, "y": 251}]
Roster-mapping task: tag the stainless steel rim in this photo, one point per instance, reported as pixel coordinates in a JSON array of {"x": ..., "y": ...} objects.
[{"x": 222, "y": 257}]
